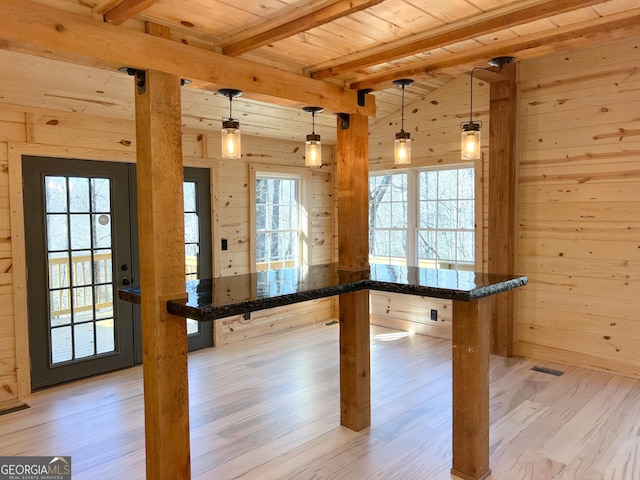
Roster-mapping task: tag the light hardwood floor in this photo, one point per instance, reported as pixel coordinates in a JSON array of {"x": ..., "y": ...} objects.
[{"x": 268, "y": 408}]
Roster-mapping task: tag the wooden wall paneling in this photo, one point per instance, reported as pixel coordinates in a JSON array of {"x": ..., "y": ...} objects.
[
  {"x": 578, "y": 209},
  {"x": 353, "y": 259},
  {"x": 502, "y": 203},
  {"x": 161, "y": 231},
  {"x": 234, "y": 329},
  {"x": 18, "y": 279},
  {"x": 321, "y": 214},
  {"x": 411, "y": 314},
  {"x": 434, "y": 121}
]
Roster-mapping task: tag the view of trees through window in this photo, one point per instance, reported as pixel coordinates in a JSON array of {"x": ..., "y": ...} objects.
[
  {"x": 277, "y": 222},
  {"x": 423, "y": 218}
]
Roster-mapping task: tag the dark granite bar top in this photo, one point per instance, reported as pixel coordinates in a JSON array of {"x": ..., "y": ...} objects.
[{"x": 210, "y": 299}]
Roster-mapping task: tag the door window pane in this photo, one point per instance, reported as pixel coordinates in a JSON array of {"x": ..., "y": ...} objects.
[
  {"x": 80, "y": 231},
  {"x": 80, "y": 268},
  {"x": 100, "y": 195},
  {"x": 56, "y": 197},
  {"x": 191, "y": 242},
  {"x": 79, "y": 195}
]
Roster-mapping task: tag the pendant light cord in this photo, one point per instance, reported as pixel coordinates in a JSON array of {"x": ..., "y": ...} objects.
[
  {"x": 402, "y": 118},
  {"x": 499, "y": 69},
  {"x": 471, "y": 94}
]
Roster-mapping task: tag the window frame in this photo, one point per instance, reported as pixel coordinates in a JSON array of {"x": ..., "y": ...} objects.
[
  {"x": 303, "y": 176},
  {"x": 457, "y": 229},
  {"x": 413, "y": 209}
]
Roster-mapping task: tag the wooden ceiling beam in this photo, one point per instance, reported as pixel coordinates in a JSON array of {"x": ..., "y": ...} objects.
[
  {"x": 468, "y": 28},
  {"x": 300, "y": 20},
  {"x": 47, "y": 32},
  {"x": 127, "y": 9},
  {"x": 613, "y": 27}
]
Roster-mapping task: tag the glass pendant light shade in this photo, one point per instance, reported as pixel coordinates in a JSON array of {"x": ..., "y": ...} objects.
[
  {"x": 402, "y": 148},
  {"x": 402, "y": 151},
  {"x": 313, "y": 151},
  {"x": 470, "y": 145},
  {"x": 231, "y": 140},
  {"x": 313, "y": 146}
]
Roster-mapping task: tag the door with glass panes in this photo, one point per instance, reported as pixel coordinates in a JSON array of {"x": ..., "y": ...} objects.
[{"x": 81, "y": 246}]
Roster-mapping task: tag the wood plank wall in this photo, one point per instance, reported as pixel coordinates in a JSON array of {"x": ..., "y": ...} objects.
[
  {"x": 434, "y": 123},
  {"x": 88, "y": 136},
  {"x": 579, "y": 214},
  {"x": 580, "y": 208}
]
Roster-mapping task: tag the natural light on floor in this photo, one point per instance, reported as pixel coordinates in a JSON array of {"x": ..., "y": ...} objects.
[{"x": 391, "y": 337}]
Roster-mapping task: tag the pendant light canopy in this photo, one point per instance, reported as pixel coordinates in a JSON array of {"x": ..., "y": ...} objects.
[
  {"x": 470, "y": 142},
  {"x": 231, "y": 140},
  {"x": 402, "y": 150},
  {"x": 313, "y": 147}
]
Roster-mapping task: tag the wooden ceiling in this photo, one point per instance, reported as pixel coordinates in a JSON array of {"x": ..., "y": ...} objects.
[{"x": 355, "y": 44}]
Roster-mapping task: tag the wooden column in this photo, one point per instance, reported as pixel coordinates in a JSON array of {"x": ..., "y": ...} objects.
[
  {"x": 353, "y": 258},
  {"x": 470, "y": 344},
  {"x": 502, "y": 202},
  {"x": 161, "y": 230}
]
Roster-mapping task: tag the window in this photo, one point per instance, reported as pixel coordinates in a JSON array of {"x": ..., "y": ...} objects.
[
  {"x": 445, "y": 233},
  {"x": 388, "y": 219},
  {"x": 191, "y": 231},
  {"x": 423, "y": 218},
  {"x": 280, "y": 218}
]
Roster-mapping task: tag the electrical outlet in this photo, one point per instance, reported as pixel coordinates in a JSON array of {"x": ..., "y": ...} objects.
[{"x": 434, "y": 315}]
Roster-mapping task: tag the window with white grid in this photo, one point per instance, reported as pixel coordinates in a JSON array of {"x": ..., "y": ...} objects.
[
  {"x": 423, "y": 218},
  {"x": 277, "y": 221}
]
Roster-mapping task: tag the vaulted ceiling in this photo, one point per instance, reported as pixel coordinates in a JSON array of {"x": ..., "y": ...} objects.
[{"x": 354, "y": 44}]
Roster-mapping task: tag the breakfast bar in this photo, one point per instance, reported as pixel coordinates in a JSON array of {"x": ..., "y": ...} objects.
[{"x": 211, "y": 299}]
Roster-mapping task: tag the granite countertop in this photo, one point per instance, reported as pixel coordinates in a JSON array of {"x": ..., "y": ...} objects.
[{"x": 210, "y": 299}]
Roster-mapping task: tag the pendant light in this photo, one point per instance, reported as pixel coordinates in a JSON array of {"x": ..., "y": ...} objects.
[
  {"x": 313, "y": 147},
  {"x": 470, "y": 142},
  {"x": 402, "y": 150},
  {"x": 231, "y": 141}
]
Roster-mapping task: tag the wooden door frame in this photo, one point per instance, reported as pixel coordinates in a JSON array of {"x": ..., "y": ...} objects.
[{"x": 16, "y": 150}]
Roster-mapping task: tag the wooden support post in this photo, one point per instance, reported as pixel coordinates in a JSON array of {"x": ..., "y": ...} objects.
[
  {"x": 470, "y": 343},
  {"x": 502, "y": 203},
  {"x": 353, "y": 242},
  {"x": 161, "y": 230}
]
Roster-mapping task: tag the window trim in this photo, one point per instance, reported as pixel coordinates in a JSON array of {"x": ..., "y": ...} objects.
[{"x": 281, "y": 171}]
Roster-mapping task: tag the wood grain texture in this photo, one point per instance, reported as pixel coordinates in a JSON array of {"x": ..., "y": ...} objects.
[
  {"x": 503, "y": 175},
  {"x": 579, "y": 229},
  {"x": 471, "y": 345},
  {"x": 161, "y": 232},
  {"x": 352, "y": 171},
  {"x": 97, "y": 44},
  {"x": 267, "y": 408}
]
